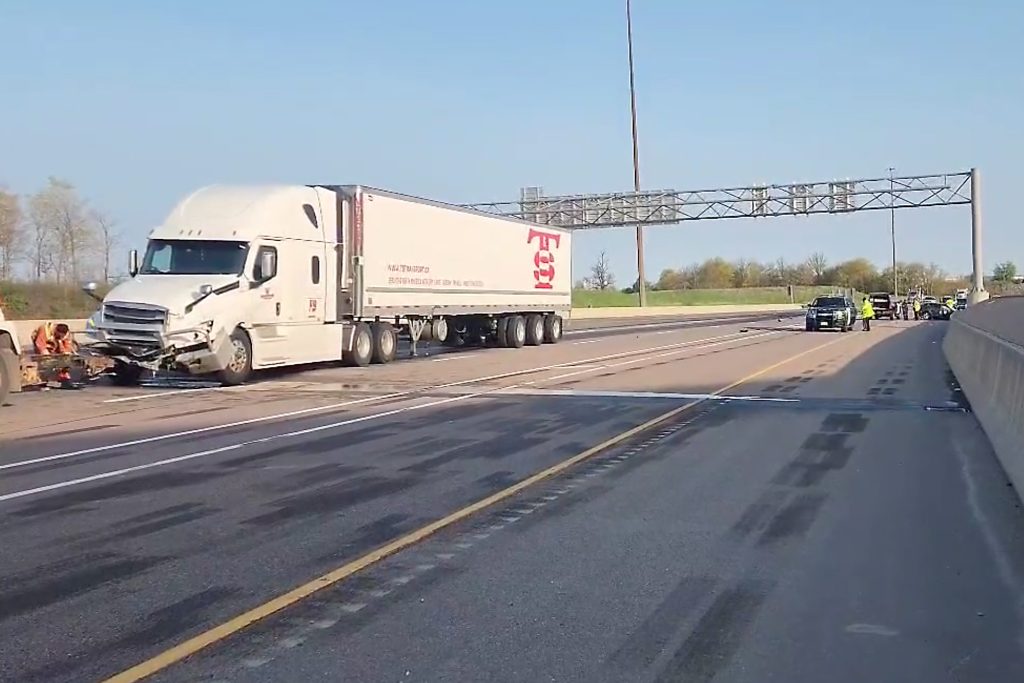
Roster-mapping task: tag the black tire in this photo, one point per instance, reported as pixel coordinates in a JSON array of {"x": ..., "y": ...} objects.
[
  {"x": 552, "y": 328},
  {"x": 440, "y": 330},
  {"x": 126, "y": 375},
  {"x": 361, "y": 353},
  {"x": 501, "y": 332},
  {"x": 6, "y": 381},
  {"x": 239, "y": 368},
  {"x": 925, "y": 315},
  {"x": 516, "y": 334},
  {"x": 385, "y": 342},
  {"x": 534, "y": 329},
  {"x": 808, "y": 327}
]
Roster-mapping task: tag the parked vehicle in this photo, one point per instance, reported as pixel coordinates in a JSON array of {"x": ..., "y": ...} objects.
[
  {"x": 884, "y": 304},
  {"x": 935, "y": 310},
  {"x": 830, "y": 312},
  {"x": 242, "y": 278}
]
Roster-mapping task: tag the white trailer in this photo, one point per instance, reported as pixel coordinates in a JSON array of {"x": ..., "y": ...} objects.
[{"x": 244, "y": 278}]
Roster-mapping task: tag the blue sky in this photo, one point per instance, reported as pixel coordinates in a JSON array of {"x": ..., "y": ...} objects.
[{"x": 140, "y": 103}]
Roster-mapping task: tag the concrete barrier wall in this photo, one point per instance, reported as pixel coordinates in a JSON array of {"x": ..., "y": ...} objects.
[{"x": 984, "y": 346}]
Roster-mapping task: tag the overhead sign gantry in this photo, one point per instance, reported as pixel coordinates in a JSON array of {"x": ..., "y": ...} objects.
[{"x": 662, "y": 207}]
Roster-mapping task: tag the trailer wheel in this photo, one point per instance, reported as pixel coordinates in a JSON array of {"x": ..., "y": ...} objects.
[
  {"x": 516, "y": 334},
  {"x": 552, "y": 328},
  {"x": 440, "y": 330},
  {"x": 240, "y": 366},
  {"x": 501, "y": 332},
  {"x": 126, "y": 374},
  {"x": 534, "y": 329},
  {"x": 362, "y": 347},
  {"x": 6, "y": 381},
  {"x": 385, "y": 342}
]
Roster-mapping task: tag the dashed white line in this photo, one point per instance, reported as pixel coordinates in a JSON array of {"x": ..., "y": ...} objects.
[{"x": 353, "y": 607}]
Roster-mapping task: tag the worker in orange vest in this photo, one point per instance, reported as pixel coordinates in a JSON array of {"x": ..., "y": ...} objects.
[{"x": 53, "y": 339}]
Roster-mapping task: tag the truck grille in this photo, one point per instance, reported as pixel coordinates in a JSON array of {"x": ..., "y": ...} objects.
[
  {"x": 133, "y": 314},
  {"x": 134, "y": 324}
]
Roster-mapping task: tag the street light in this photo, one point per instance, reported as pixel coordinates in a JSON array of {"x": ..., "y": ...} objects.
[
  {"x": 641, "y": 286},
  {"x": 892, "y": 231}
]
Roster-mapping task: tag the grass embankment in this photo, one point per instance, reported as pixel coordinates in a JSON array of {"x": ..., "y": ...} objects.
[
  {"x": 582, "y": 298},
  {"x": 31, "y": 301},
  {"x": 45, "y": 301}
]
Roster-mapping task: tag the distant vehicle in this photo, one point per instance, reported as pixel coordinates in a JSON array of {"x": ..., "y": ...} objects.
[
  {"x": 935, "y": 310},
  {"x": 884, "y": 305},
  {"x": 929, "y": 300},
  {"x": 830, "y": 313},
  {"x": 243, "y": 278}
]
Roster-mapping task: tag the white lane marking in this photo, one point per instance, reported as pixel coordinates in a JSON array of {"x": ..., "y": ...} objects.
[
  {"x": 274, "y": 437},
  {"x": 172, "y": 392},
  {"x": 454, "y": 356},
  {"x": 597, "y": 393},
  {"x": 674, "y": 323},
  {"x": 241, "y": 444},
  {"x": 681, "y": 325},
  {"x": 352, "y": 607},
  {"x": 344, "y": 404}
]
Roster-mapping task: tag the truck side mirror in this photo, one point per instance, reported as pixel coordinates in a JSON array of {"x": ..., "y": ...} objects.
[
  {"x": 266, "y": 265},
  {"x": 133, "y": 262},
  {"x": 90, "y": 289}
]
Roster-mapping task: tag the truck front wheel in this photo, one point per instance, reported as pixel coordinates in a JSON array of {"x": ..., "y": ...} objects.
[
  {"x": 516, "y": 333},
  {"x": 534, "y": 329},
  {"x": 126, "y": 374},
  {"x": 362, "y": 347},
  {"x": 240, "y": 366},
  {"x": 385, "y": 342},
  {"x": 6, "y": 381}
]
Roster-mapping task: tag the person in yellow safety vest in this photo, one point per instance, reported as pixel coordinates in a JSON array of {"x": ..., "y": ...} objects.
[
  {"x": 950, "y": 302},
  {"x": 917, "y": 309},
  {"x": 867, "y": 312}
]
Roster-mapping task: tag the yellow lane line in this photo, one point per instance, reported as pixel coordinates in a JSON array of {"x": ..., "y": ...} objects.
[{"x": 260, "y": 612}]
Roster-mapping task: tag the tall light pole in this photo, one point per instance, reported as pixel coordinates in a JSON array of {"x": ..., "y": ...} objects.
[
  {"x": 641, "y": 286},
  {"x": 892, "y": 231}
]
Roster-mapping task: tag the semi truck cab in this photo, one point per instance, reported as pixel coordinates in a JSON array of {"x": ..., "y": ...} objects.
[{"x": 232, "y": 280}]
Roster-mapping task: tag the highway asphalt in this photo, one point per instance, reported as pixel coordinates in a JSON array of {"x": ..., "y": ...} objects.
[{"x": 838, "y": 516}]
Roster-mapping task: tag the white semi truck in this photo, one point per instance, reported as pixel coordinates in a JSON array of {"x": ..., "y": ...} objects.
[{"x": 244, "y": 278}]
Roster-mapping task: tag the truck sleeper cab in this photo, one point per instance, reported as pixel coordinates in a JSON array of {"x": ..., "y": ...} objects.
[{"x": 244, "y": 278}]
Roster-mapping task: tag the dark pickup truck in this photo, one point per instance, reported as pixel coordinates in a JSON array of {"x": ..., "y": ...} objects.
[
  {"x": 830, "y": 313},
  {"x": 884, "y": 305}
]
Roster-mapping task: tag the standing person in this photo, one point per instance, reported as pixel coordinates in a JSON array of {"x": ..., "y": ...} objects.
[
  {"x": 917, "y": 309},
  {"x": 867, "y": 312}
]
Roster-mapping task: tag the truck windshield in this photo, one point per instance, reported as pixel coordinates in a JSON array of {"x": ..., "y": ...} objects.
[
  {"x": 194, "y": 257},
  {"x": 829, "y": 301}
]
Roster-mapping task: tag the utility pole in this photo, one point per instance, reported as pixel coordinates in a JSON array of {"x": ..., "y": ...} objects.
[
  {"x": 892, "y": 232},
  {"x": 641, "y": 286}
]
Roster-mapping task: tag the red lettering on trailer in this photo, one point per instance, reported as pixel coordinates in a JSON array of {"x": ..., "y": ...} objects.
[{"x": 544, "y": 259}]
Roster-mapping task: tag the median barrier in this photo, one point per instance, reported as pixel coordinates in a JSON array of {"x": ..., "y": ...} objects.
[
  {"x": 984, "y": 347},
  {"x": 653, "y": 311}
]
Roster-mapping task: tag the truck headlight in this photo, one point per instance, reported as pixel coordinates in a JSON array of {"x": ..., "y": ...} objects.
[{"x": 812, "y": 312}]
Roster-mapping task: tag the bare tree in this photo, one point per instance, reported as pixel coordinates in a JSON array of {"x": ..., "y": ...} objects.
[
  {"x": 601, "y": 273},
  {"x": 11, "y": 237},
  {"x": 64, "y": 236},
  {"x": 818, "y": 264},
  {"x": 108, "y": 241}
]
